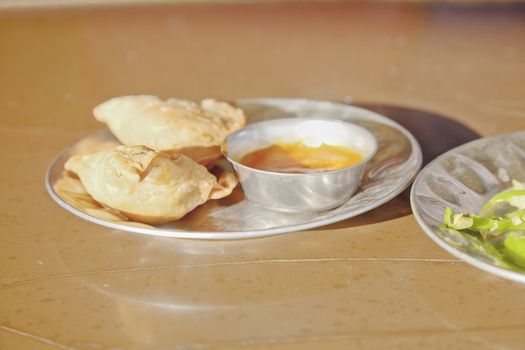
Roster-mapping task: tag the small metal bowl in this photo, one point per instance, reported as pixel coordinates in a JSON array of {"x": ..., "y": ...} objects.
[{"x": 308, "y": 192}]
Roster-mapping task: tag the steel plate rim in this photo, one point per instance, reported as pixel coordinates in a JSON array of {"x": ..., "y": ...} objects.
[
  {"x": 484, "y": 266},
  {"x": 239, "y": 235}
]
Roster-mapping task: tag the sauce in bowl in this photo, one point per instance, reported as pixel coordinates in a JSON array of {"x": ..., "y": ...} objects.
[
  {"x": 300, "y": 165},
  {"x": 298, "y": 158}
]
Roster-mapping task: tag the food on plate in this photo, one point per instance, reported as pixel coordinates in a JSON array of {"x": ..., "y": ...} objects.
[
  {"x": 301, "y": 158},
  {"x": 501, "y": 224},
  {"x": 196, "y": 130},
  {"x": 71, "y": 189},
  {"x": 158, "y": 176},
  {"x": 148, "y": 186}
]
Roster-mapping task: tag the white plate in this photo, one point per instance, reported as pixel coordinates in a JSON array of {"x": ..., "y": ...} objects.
[
  {"x": 464, "y": 179},
  {"x": 391, "y": 171}
]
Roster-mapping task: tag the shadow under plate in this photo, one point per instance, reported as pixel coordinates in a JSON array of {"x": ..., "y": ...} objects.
[{"x": 435, "y": 133}]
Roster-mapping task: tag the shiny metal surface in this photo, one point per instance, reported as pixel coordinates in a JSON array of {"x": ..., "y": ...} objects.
[
  {"x": 300, "y": 193},
  {"x": 464, "y": 179},
  {"x": 388, "y": 173}
]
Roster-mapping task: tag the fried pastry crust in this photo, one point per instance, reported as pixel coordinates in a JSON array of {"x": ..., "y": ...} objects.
[
  {"x": 196, "y": 130},
  {"x": 142, "y": 184}
]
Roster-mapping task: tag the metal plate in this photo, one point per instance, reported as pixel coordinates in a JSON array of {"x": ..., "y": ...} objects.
[
  {"x": 391, "y": 171},
  {"x": 464, "y": 179}
]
